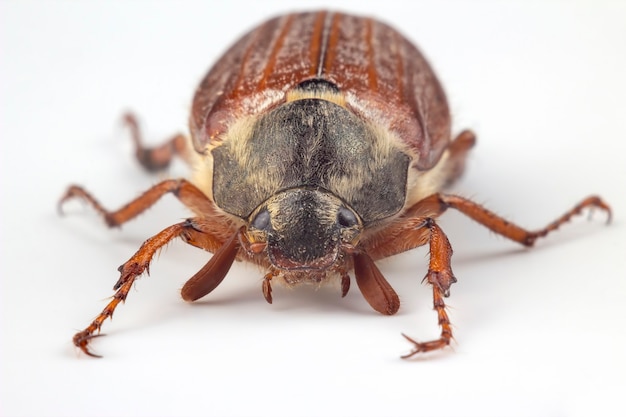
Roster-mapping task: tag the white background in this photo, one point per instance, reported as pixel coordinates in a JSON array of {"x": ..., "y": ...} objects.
[{"x": 538, "y": 332}]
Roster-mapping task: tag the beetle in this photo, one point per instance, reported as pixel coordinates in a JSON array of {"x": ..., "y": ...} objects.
[{"x": 321, "y": 143}]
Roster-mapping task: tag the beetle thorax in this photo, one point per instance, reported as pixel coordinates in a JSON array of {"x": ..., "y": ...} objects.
[
  {"x": 307, "y": 177},
  {"x": 311, "y": 143}
]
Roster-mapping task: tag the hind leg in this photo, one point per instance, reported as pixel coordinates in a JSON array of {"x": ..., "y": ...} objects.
[
  {"x": 458, "y": 150},
  {"x": 159, "y": 157}
]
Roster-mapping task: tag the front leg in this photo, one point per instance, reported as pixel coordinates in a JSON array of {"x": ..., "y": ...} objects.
[
  {"x": 186, "y": 192},
  {"x": 203, "y": 282},
  {"x": 129, "y": 271},
  {"x": 440, "y": 277}
]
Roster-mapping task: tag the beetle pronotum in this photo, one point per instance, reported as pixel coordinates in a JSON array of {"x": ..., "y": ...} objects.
[{"x": 320, "y": 143}]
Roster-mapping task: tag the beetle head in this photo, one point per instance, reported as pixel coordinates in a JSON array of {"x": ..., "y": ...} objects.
[{"x": 303, "y": 229}]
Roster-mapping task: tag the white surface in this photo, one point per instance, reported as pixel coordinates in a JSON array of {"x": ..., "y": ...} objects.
[{"x": 538, "y": 332}]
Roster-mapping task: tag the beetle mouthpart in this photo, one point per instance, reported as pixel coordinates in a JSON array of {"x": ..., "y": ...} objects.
[
  {"x": 257, "y": 247},
  {"x": 281, "y": 261}
]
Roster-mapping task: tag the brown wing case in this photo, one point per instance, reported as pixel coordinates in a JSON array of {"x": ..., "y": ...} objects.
[{"x": 383, "y": 77}]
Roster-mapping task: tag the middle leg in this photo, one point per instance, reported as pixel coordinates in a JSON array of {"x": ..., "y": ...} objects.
[
  {"x": 417, "y": 227},
  {"x": 185, "y": 191}
]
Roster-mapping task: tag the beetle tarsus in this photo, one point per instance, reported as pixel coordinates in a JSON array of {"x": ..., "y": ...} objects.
[
  {"x": 591, "y": 202},
  {"x": 440, "y": 281},
  {"x": 424, "y": 347},
  {"x": 75, "y": 191},
  {"x": 81, "y": 341},
  {"x": 440, "y": 277},
  {"x": 504, "y": 227}
]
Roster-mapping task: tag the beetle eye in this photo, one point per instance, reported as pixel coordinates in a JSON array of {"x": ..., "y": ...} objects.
[
  {"x": 346, "y": 218},
  {"x": 262, "y": 220}
]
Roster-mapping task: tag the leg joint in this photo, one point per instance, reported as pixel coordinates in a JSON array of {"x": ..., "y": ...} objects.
[
  {"x": 427, "y": 223},
  {"x": 176, "y": 186},
  {"x": 191, "y": 224}
]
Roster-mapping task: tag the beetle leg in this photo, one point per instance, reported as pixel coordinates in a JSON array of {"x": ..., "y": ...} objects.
[
  {"x": 373, "y": 285},
  {"x": 440, "y": 274},
  {"x": 440, "y": 277},
  {"x": 128, "y": 273},
  {"x": 185, "y": 191},
  {"x": 140, "y": 262},
  {"x": 509, "y": 230},
  {"x": 267, "y": 285},
  {"x": 458, "y": 150},
  {"x": 214, "y": 272},
  {"x": 345, "y": 283},
  {"x": 398, "y": 238},
  {"x": 157, "y": 158},
  {"x": 409, "y": 233}
]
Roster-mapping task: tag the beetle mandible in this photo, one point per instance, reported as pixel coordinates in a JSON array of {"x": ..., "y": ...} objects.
[{"x": 320, "y": 144}]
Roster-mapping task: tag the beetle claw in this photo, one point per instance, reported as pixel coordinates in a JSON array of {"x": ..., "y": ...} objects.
[
  {"x": 81, "y": 341},
  {"x": 416, "y": 348},
  {"x": 422, "y": 347}
]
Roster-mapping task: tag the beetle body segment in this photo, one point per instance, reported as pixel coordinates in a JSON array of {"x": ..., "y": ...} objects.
[{"x": 315, "y": 143}]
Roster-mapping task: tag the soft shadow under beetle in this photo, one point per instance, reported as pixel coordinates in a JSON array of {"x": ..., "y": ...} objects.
[{"x": 320, "y": 143}]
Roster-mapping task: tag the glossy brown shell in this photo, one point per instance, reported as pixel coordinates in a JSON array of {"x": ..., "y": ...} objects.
[{"x": 383, "y": 77}]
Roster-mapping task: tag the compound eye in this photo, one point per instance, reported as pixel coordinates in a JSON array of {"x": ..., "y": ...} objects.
[
  {"x": 346, "y": 218},
  {"x": 261, "y": 220}
]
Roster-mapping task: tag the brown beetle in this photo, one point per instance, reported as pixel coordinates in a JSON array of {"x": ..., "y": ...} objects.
[{"x": 320, "y": 143}]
